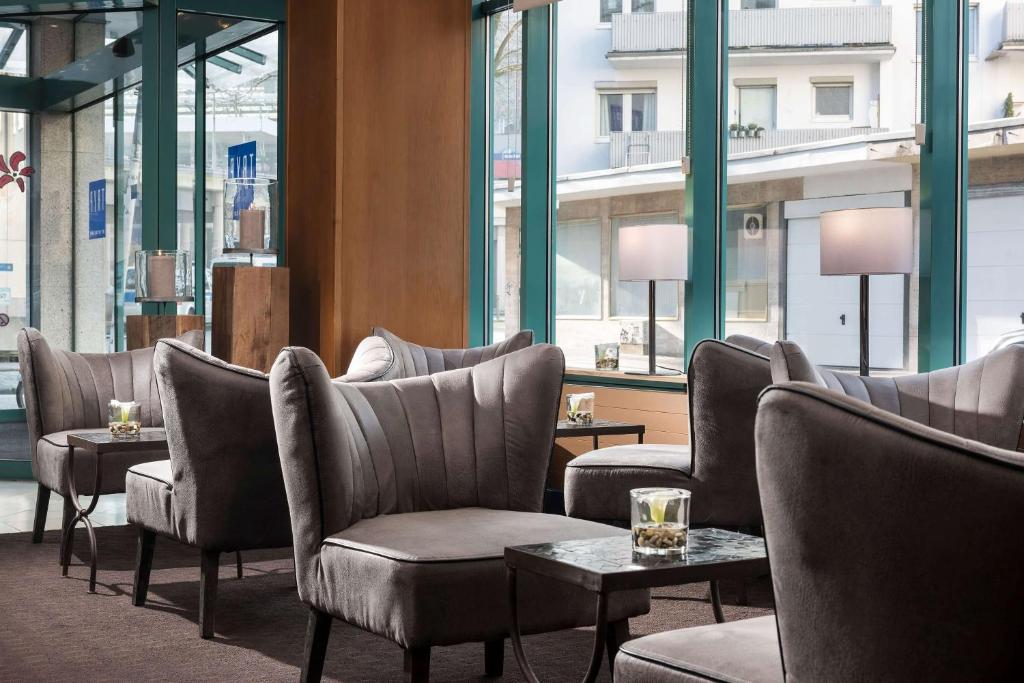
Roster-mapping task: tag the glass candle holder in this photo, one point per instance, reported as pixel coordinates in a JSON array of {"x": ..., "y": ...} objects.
[
  {"x": 124, "y": 419},
  {"x": 660, "y": 520},
  {"x": 163, "y": 276},
  {"x": 606, "y": 356},
  {"x": 250, "y": 216},
  {"x": 579, "y": 408}
]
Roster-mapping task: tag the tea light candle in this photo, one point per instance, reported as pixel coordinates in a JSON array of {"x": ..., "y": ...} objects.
[
  {"x": 160, "y": 278},
  {"x": 251, "y": 228}
]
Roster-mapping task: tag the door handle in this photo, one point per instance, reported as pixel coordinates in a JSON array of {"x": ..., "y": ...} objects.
[{"x": 842, "y": 318}]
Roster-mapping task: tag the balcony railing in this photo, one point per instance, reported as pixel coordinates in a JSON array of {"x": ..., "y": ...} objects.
[
  {"x": 663, "y": 146},
  {"x": 794, "y": 28},
  {"x": 1013, "y": 23}
]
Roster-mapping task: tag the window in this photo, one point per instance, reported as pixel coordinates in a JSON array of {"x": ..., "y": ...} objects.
[
  {"x": 833, "y": 101},
  {"x": 746, "y": 268},
  {"x": 757, "y": 106},
  {"x": 13, "y": 49},
  {"x": 14, "y": 250},
  {"x": 972, "y": 32},
  {"x": 758, "y": 4},
  {"x": 641, "y": 108},
  {"x": 608, "y": 8},
  {"x": 579, "y": 269},
  {"x": 642, "y": 6}
]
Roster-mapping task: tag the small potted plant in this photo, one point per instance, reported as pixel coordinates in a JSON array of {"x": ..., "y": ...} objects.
[
  {"x": 734, "y": 130},
  {"x": 759, "y": 131},
  {"x": 752, "y": 129}
]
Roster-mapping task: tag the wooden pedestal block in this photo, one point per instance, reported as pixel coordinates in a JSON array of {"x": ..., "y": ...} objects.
[
  {"x": 144, "y": 330},
  {"x": 250, "y": 315}
]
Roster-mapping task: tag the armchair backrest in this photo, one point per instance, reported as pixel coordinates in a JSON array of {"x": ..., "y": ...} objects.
[
  {"x": 888, "y": 543},
  {"x": 68, "y": 390},
  {"x": 724, "y": 380},
  {"x": 386, "y": 356},
  {"x": 228, "y": 490},
  {"x": 982, "y": 400},
  {"x": 473, "y": 437}
]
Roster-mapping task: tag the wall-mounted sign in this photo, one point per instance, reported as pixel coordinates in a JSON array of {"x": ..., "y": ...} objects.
[
  {"x": 242, "y": 164},
  {"x": 6, "y": 267},
  {"x": 98, "y": 209},
  {"x": 5, "y": 296}
]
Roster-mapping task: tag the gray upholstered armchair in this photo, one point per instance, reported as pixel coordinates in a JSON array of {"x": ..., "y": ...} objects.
[
  {"x": 889, "y": 553},
  {"x": 724, "y": 380},
  {"x": 404, "y": 494},
  {"x": 385, "y": 356},
  {"x": 981, "y": 400},
  {"x": 69, "y": 392},
  {"x": 221, "y": 490}
]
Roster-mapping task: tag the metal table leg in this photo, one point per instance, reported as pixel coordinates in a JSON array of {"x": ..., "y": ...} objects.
[
  {"x": 601, "y": 628},
  {"x": 716, "y": 603},
  {"x": 82, "y": 514}
]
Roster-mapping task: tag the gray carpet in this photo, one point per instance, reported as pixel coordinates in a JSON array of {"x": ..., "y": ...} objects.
[{"x": 52, "y": 628}]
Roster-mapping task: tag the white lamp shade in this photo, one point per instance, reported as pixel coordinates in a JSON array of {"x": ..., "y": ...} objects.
[
  {"x": 653, "y": 252},
  {"x": 867, "y": 241}
]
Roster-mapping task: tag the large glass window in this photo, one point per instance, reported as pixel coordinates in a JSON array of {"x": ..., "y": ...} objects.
[
  {"x": 13, "y": 49},
  {"x": 820, "y": 130},
  {"x": 506, "y": 171},
  {"x": 14, "y": 250},
  {"x": 618, "y": 158},
  {"x": 995, "y": 205}
]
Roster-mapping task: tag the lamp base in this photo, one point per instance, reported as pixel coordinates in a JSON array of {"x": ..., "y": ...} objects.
[{"x": 659, "y": 372}]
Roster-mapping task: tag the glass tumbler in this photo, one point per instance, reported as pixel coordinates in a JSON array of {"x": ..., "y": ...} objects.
[{"x": 660, "y": 520}]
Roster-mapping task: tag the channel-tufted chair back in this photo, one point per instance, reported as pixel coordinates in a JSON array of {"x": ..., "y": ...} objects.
[
  {"x": 386, "y": 356},
  {"x": 473, "y": 437},
  {"x": 982, "y": 400},
  {"x": 67, "y": 390}
]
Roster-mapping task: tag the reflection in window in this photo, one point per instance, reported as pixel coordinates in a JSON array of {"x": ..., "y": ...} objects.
[{"x": 578, "y": 267}]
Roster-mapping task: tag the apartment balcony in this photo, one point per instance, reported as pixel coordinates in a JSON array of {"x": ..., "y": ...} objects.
[
  {"x": 1013, "y": 30},
  {"x": 863, "y": 33},
  {"x": 663, "y": 146}
]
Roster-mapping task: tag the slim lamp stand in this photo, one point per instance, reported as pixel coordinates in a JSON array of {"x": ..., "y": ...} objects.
[
  {"x": 652, "y": 354},
  {"x": 865, "y": 356}
]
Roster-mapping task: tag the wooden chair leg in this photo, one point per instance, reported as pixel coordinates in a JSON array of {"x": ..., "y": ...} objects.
[
  {"x": 616, "y": 634},
  {"x": 238, "y": 562},
  {"x": 42, "y": 505},
  {"x": 318, "y": 631},
  {"x": 143, "y": 565},
  {"x": 494, "y": 658},
  {"x": 417, "y": 664},
  {"x": 209, "y": 570},
  {"x": 69, "y": 514}
]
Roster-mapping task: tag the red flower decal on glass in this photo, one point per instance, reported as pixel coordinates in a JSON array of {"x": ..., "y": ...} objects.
[{"x": 13, "y": 172}]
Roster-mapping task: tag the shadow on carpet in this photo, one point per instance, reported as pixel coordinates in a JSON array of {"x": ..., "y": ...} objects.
[{"x": 53, "y": 628}]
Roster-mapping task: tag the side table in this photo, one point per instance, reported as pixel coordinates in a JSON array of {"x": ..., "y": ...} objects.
[
  {"x": 599, "y": 428},
  {"x": 606, "y": 565},
  {"x": 99, "y": 443}
]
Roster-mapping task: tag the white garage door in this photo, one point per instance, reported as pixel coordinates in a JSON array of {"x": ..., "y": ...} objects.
[
  {"x": 995, "y": 268},
  {"x": 816, "y": 305}
]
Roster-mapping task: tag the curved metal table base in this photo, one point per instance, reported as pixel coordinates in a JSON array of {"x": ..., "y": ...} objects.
[
  {"x": 81, "y": 515},
  {"x": 600, "y": 629}
]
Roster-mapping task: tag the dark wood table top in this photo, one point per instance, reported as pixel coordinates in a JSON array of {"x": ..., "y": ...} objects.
[
  {"x": 609, "y": 564},
  {"x": 597, "y": 428},
  {"x": 104, "y": 442}
]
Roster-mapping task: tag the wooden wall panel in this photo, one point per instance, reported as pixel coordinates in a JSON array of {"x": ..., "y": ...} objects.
[{"x": 386, "y": 243}]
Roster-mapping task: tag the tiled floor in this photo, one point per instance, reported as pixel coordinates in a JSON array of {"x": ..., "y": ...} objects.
[{"x": 18, "y": 505}]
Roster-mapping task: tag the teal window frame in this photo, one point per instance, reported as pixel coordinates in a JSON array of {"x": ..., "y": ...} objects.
[{"x": 944, "y": 168}]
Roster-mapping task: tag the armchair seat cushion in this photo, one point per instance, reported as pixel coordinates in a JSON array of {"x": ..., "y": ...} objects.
[
  {"x": 52, "y": 458},
  {"x": 149, "y": 487},
  {"x": 597, "y": 483},
  {"x": 439, "y": 578},
  {"x": 745, "y": 651}
]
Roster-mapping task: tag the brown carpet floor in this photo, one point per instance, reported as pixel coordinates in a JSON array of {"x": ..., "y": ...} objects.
[{"x": 51, "y": 628}]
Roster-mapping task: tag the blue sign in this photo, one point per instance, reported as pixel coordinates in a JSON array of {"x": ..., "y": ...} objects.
[
  {"x": 6, "y": 267},
  {"x": 98, "y": 209},
  {"x": 242, "y": 164}
]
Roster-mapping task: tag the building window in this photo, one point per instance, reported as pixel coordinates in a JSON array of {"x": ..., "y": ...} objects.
[
  {"x": 642, "y": 6},
  {"x": 833, "y": 101},
  {"x": 641, "y": 108},
  {"x": 972, "y": 33},
  {"x": 579, "y": 269},
  {"x": 608, "y": 8},
  {"x": 758, "y": 4},
  {"x": 757, "y": 105}
]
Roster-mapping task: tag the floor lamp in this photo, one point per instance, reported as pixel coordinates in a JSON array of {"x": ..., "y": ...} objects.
[
  {"x": 867, "y": 242},
  {"x": 649, "y": 253}
]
